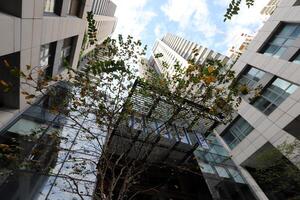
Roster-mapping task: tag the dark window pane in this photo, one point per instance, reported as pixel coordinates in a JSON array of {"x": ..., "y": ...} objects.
[
  {"x": 280, "y": 42},
  {"x": 270, "y": 109},
  {"x": 293, "y": 127},
  {"x": 251, "y": 77},
  {"x": 287, "y": 30},
  {"x": 297, "y": 59},
  {"x": 271, "y": 49},
  {"x": 261, "y": 104},
  {"x": 275, "y": 94},
  {"x": 237, "y": 132}
]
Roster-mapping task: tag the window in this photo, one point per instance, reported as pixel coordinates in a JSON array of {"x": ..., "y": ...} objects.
[
  {"x": 49, "y": 6},
  {"x": 26, "y": 127},
  {"x": 251, "y": 77},
  {"x": 46, "y": 60},
  {"x": 11, "y": 98},
  {"x": 236, "y": 175},
  {"x": 182, "y": 135},
  {"x": 206, "y": 168},
  {"x": 74, "y": 7},
  {"x": 293, "y": 127},
  {"x": 65, "y": 57},
  {"x": 222, "y": 172},
  {"x": 237, "y": 132},
  {"x": 44, "y": 55},
  {"x": 297, "y": 58},
  {"x": 137, "y": 123},
  {"x": 282, "y": 40},
  {"x": 297, "y": 3},
  {"x": 274, "y": 95}
]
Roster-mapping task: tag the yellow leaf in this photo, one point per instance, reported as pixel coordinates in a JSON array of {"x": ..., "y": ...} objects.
[
  {"x": 209, "y": 79},
  {"x": 2, "y": 82},
  {"x": 6, "y": 63},
  {"x": 211, "y": 69},
  {"x": 41, "y": 72},
  {"x": 30, "y": 96}
]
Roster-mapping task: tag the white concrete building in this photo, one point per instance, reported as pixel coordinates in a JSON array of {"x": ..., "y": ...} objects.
[
  {"x": 41, "y": 33},
  {"x": 177, "y": 49},
  {"x": 272, "y": 61},
  {"x": 104, "y": 11},
  {"x": 269, "y": 8},
  {"x": 241, "y": 45}
]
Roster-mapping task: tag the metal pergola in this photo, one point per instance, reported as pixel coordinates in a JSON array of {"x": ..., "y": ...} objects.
[{"x": 188, "y": 121}]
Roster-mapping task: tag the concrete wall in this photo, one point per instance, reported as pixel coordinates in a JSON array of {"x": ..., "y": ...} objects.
[
  {"x": 27, "y": 33},
  {"x": 270, "y": 128}
]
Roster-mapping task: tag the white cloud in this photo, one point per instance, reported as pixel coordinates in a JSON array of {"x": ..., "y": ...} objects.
[
  {"x": 160, "y": 30},
  {"x": 192, "y": 13},
  {"x": 133, "y": 17},
  {"x": 241, "y": 23}
]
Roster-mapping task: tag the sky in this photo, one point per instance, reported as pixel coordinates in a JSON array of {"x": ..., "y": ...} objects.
[{"x": 200, "y": 21}]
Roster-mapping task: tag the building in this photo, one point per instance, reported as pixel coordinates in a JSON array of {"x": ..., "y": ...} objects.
[
  {"x": 43, "y": 167},
  {"x": 41, "y": 34},
  {"x": 241, "y": 46},
  {"x": 171, "y": 145},
  {"x": 264, "y": 122},
  {"x": 61, "y": 161},
  {"x": 269, "y": 8},
  {"x": 104, "y": 11},
  {"x": 177, "y": 49}
]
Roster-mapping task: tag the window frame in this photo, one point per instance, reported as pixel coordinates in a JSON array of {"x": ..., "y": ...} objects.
[
  {"x": 43, "y": 56},
  {"x": 235, "y": 125},
  {"x": 272, "y": 102},
  {"x": 296, "y": 58},
  {"x": 278, "y": 34},
  {"x": 250, "y": 79}
]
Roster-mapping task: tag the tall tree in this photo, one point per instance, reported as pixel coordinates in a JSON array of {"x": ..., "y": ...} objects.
[{"x": 106, "y": 92}]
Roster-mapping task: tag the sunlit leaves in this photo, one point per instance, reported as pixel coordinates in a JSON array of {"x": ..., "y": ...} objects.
[{"x": 234, "y": 8}]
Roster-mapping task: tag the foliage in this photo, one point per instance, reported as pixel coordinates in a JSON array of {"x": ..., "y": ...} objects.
[
  {"x": 244, "y": 89},
  {"x": 92, "y": 30},
  {"x": 212, "y": 85},
  {"x": 234, "y": 7},
  {"x": 275, "y": 171},
  {"x": 101, "y": 88}
]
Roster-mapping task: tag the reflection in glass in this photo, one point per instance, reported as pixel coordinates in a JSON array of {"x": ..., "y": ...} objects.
[{"x": 274, "y": 95}]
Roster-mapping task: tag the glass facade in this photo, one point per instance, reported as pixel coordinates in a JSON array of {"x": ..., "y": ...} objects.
[
  {"x": 50, "y": 156},
  {"x": 173, "y": 132},
  {"x": 220, "y": 172},
  {"x": 237, "y": 132},
  {"x": 274, "y": 95},
  {"x": 280, "y": 42},
  {"x": 251, "y": 77}
]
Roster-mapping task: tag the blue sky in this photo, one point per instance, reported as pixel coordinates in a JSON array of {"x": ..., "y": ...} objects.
[{"x": 200, "y": 21}]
